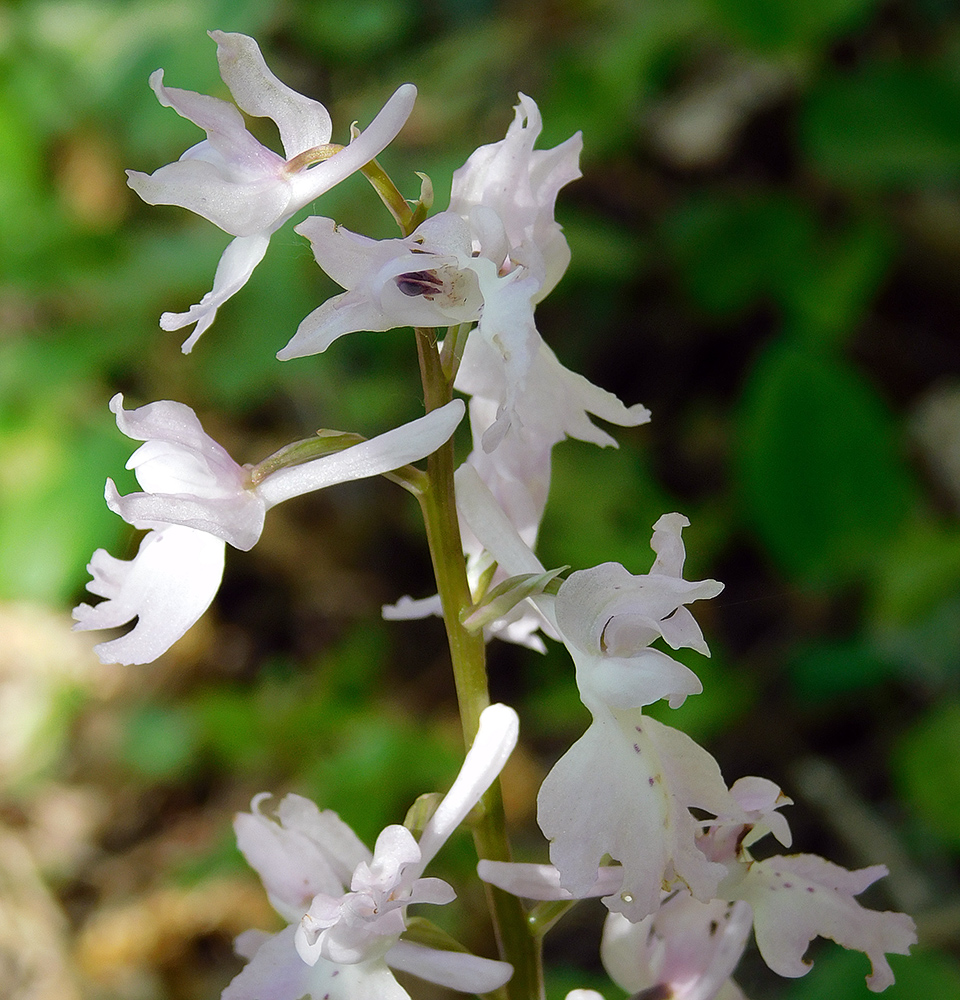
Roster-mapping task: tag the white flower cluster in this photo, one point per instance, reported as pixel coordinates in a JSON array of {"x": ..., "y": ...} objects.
[
  {"x": 346, "y": 907},
  {"x": 635, "y": 811}
]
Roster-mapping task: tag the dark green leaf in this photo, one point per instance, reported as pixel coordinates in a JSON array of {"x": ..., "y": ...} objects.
[
  {"x": 819, "y": 473},
  {"x": 773, "y": 24},
  {"x": 828, "y": 670},
  {"x": 733, "y": 251},
  {"x": 887, "y": 125},
  {"x": 927, "y": 769},
  {"x": 839, "y": 975}
]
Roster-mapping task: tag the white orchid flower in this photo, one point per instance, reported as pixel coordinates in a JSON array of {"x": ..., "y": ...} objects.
[
  {"x": 690, "y": 943},
  {"x": 609, "y": 618},
  {"x": 557, "y": 403},
  {"x": 795, "y": 898},
  {"x": 242, "y": 186},
  {"x": 520, "y": 184},
  {"x": 624, "y": 790},
  {"x": 345, "y": 941},
  {"x": 490, "y": 258},
  {"x": 688, "y": 949},
  {"x": 195, "y": 499},
  {"x": 429, "y": 278},
  {"x": 626, "y": 787},
  {"x": 450, "y": 270},
  {"x": 638, "y": 813},
  {"x": 606, "y": 617}
]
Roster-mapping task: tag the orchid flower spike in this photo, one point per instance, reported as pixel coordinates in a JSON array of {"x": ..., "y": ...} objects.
[
  {"x": 195, "y": 499},
  {"x": 350, "y": 937},
  {"x": 242, "y": 186},
  {"x": 626, "y": 787}
]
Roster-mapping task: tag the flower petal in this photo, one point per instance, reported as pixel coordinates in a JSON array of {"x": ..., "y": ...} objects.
[
  {"x": 485, "y": 518},
  {"x": 520, "y": 184},
  {"x": 313, "y": 182},
  {"x": 555, "y": 402},
  {"x": 635, "y": 681},
  {"x": 494, "y": 742},
  {"x": 394, "y": 850},
  {"x": 456, "y": 970},
  {"x": 372, "y": 270},
  {"x": 303, "y": 123},
  {"x": 625, "y": 789},
  {"x": 276, "y": 973},
  {"x": 410, "y": 609},
  {"x": 347, "y": 257},
  {"x": 543, "y": 881},
  {"x": 167, "y": 586},
  {"x": 800, "y": 897},
  {"x": 388, "y": 451},
  {"x": 687, "y": 947},
  {"x": 236, "y": 265},
  {"x": 176, "y": 424},
  {"x": 241, "y": 206},
  {"x": 226, "y": 131},
  {"x": 307, "y": 852},
  {"x": 236, "y": 519}
]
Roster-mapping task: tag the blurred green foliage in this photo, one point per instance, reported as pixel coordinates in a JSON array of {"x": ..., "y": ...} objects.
[
  {"x": 889, "y": 125},
  {"x": 819, "y": 472},
  {"x": 933, "y": 789},
  {"x": 765, "y": 246},
  {"x": 840, "y": 975}
]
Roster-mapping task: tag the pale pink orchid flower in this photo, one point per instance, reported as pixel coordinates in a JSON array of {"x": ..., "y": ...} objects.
[
  {"x": 240, "y": 185},
  {"x": 195, "y": 500},
  {"x": 626, "y": 787},
  {"x": 688, "y": 949},
  {"x": 347, "y": 906},
  {"x": 489, "y": 258},
  {"x": 690, "y": 944},
  {"x": 797, "y": 897}
]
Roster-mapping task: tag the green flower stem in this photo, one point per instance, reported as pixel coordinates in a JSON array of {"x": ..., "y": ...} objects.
[
  {"x": 443, "y": 534},
  {"x": 544, "y": 915},
  {"x": 468, "y": 656},
  {"x": 517, "y": 945},
  {"x": 390, "y": 196},
  {"x": 453, "y": 347}
]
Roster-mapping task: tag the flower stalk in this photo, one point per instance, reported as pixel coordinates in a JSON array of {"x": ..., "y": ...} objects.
[
  {"x": 468, "y": 658},
  {"x": 390, "y": 195},
  {"x": 636, "y": 812}
]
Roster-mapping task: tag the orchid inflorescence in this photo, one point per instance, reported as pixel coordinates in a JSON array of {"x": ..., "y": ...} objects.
[{"x": 635, "y": 811}]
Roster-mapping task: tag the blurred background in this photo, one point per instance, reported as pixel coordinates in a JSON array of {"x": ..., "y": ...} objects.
[{"x": 766, "y": 244}]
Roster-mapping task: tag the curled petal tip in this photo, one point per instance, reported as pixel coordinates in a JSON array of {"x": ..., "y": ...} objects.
[
  {"x": 401, "y": 104},
  {"x": 502, "y": 719}
]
